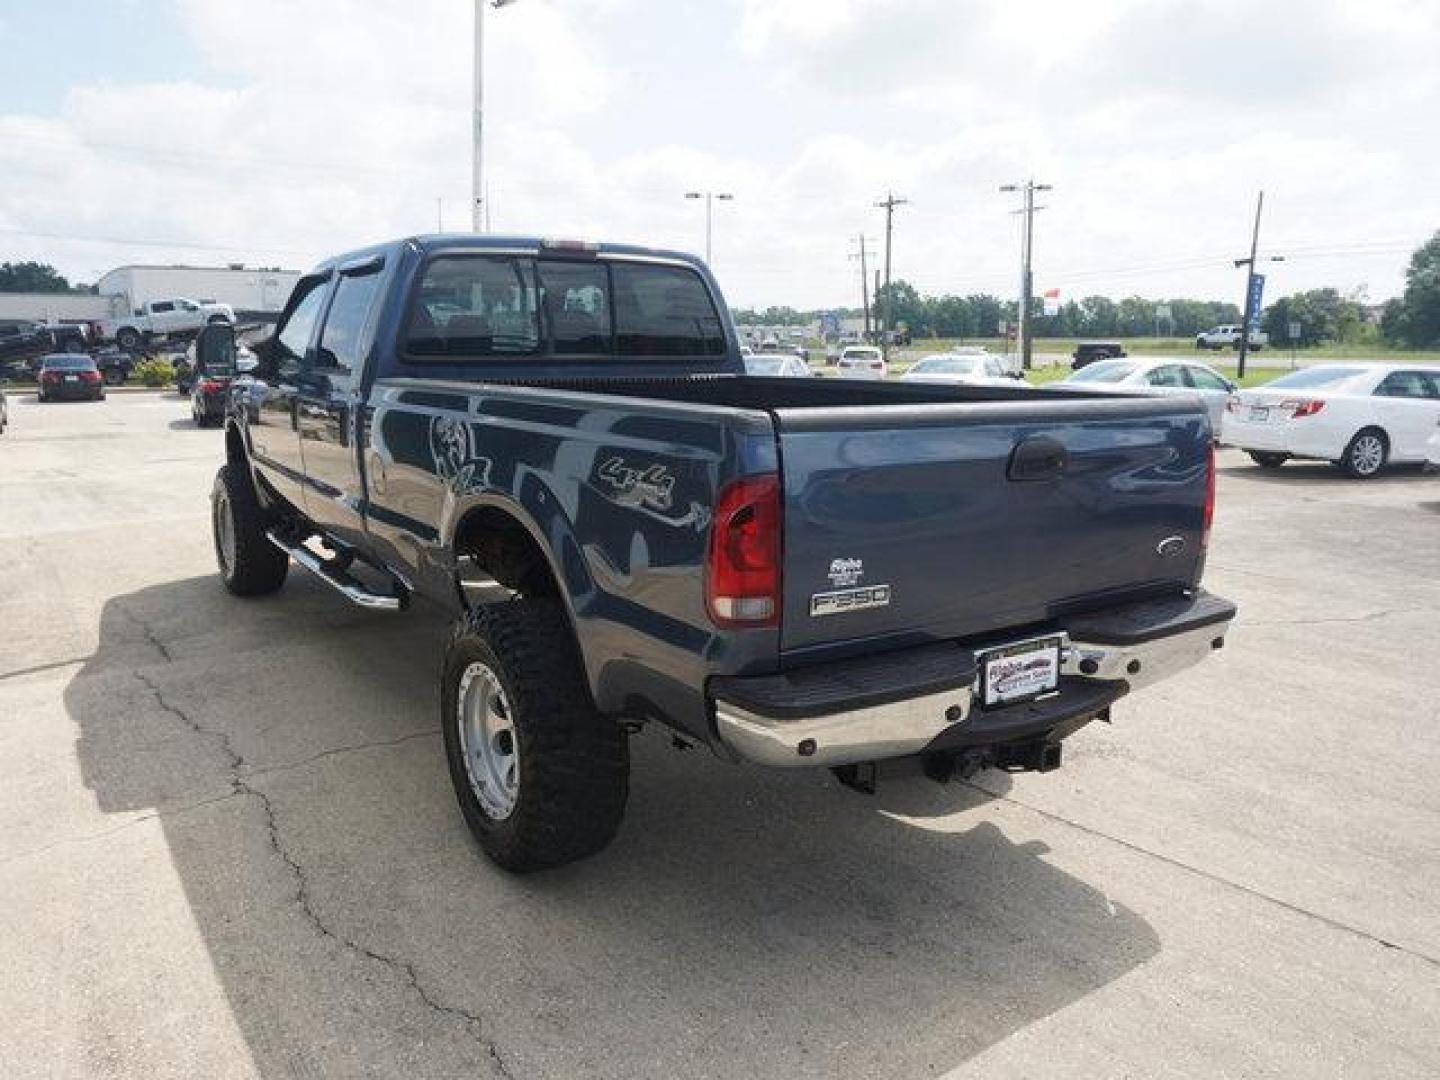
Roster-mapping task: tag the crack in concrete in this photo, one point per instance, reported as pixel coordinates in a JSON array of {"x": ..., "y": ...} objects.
[
  {"x": 1368, "y": 617},
  {"x": 1211, "y": 876},
  {"x": 240, "y": 785},
  {"x": 151, "y": 637},
  {"x": 379, "y": 744}
]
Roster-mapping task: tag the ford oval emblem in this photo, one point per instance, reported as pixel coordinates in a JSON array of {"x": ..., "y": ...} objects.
[{"x": 1170, "y": 546}]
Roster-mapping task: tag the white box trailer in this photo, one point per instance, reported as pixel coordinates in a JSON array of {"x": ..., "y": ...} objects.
[
  {"x": 52, "y": 308},
  {"x": 254, "y": 293}
]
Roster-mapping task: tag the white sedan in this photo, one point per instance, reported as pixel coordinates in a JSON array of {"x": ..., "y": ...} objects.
[
  {"x": 961, "y": 369},
  {"x": 1360, "y": 416},
  {"x": 780, "y": 364},
  {"x": 1157, "y": 377},
  {"x": 861, "y": 362}
]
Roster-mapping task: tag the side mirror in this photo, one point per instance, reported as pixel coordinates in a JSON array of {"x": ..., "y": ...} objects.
[
  {"x": 1231, "y": 386},
  {"x": 215, "y": 348}
]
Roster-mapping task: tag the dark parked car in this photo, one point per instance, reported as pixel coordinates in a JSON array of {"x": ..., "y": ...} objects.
[
  {"x": 23, "y": 343},
  {"x": 794, "y": 572},
  {"x": 72, "y": 376},
  {"x": 1087, "y": 352},
  {"x": 115, "y": 365},
  {"x": 4, "y": 407}
]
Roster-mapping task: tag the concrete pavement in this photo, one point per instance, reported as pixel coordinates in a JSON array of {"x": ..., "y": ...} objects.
[{"x": 228, "y": 845}]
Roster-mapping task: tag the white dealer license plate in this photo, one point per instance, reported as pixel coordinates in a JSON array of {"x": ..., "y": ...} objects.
[
  {"x": 72, "y": 378},
  {"x": 1019, "y": 672},
  {"x": 1257, "y": 413}
]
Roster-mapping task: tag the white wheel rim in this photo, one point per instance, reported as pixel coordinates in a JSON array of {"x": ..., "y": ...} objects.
[
  {"x": 487, "y": 741},
  {"x": 224, "y": 533},
  {"x": 1369, "y": 452}
]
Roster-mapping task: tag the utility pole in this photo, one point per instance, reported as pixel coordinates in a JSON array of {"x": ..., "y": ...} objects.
[
  {"x": 1250, "y": 297},
  {"x": 1027, "y": 278},
  {"x": 478, "y": 192},
  {"x": 709, "y": 197},
  {"x": 864, "y": 283},
  {"x": 888, "y": 204}
]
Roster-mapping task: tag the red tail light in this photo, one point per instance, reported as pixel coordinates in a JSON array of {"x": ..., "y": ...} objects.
[
  {"x": 90, "y": 376},
  {"x": 49, "y": 376},
  {"x": 210, "y": 386},
  {"x": 742, "y": 579},
  {"x": 1209, "y": 500},
  {"x": 1299, "y": 408}
]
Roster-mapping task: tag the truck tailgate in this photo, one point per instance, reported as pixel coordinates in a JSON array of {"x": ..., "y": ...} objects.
[{"x": 913, "y": 522}]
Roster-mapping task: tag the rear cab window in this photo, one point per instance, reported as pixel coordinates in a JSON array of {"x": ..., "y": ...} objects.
[{"x": 477, "y": 306}]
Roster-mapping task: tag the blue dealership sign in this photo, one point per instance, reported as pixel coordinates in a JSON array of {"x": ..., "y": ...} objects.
[{"x": 1257, "y": 294}]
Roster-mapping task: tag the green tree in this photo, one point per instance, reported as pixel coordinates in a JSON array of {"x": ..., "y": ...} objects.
[
  {"x": 31, "y": 277},
  {"x": 906, "y": 306},
  {"x": 1415, "y": 318},
  {"x": 1323, "y": 315}
]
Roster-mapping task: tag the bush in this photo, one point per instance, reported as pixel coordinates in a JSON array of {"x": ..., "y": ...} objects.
[{"x": 154, "y": 372}]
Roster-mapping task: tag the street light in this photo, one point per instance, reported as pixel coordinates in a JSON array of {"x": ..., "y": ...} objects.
[
  {"x": 1027, "y": 280},
  {"x": 709, "y": 197},
  {"x": 477, "y": 176}
]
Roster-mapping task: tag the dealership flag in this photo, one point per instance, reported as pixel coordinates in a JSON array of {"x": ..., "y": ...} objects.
[{"x": 1052, "y": 302}]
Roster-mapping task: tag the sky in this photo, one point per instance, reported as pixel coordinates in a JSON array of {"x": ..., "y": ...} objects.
[{"x": 278, "y": 132}]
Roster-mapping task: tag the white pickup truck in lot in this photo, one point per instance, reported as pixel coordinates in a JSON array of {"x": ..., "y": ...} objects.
[
  {"x": 1228, "y": 337},
  {"x": 174, "y": 317}
]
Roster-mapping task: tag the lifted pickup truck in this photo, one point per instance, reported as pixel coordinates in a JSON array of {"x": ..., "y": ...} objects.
[{"x": 795, "y": 572}]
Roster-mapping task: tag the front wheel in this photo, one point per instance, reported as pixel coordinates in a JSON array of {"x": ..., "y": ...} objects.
[
  {"x": 1365, "y": 455},
  {"x": 114, "y": 376},
  {"x": 1268, "y": 460},
  {"x": 128, "y": 339},
  {"x": 250, "y": 565},
  {"x": 540, "y": 775}
]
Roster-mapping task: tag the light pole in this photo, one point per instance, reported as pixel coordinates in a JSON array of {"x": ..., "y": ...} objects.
[
  {"x": 477, "y": 173},
  {"x": 1027, "y": 280},
  {"x": 1251, "y": 300},
  {"x": 888, "y": 204},
  {"x": 709, "y": 197}
]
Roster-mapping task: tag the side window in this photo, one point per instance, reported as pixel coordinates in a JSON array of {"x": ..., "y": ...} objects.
[
  {"x": 1407, "y": 384},
  {"x": 576, "y": 299},
  {"x": 1169, "y": 375},
  {"x": 345, "y": 323},
  {"x": 1205, "y": 380},
  {"x": 664, "y": 311},
  {"x": 294, "y": 337},
  {"x": 162, "y": 306},
  {"x": 474, "y": 305}
]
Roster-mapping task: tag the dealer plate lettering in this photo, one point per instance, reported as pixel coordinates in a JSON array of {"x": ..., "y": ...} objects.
[{"x": 1019, "y": 672}]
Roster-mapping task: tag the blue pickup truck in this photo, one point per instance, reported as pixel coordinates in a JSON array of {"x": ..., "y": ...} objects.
[{"x": 558, "y": 442}]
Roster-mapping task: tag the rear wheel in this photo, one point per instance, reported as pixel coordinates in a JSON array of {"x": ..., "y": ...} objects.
[
  {"x": 1268, "y": 460},
  {"x": 1365, "y": 455},
  {"x": 114, "y": 376},
  {"x": 250, "y": 565},
  {"x": 540, "y": 775},
  {"x": 128, "y": 339}
]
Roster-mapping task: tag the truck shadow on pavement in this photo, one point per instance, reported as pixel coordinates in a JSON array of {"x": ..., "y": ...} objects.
[{"x": 745, "y": 923}]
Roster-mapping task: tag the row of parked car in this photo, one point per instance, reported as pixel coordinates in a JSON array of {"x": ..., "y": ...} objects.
[{"x": 1361, "y": 416}]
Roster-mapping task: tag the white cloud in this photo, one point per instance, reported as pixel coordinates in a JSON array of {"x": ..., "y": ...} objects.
[{"x": 336, "y": 122}]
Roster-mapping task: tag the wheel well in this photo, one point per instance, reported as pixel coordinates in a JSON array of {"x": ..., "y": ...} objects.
[{"x": 499, "y": 546}]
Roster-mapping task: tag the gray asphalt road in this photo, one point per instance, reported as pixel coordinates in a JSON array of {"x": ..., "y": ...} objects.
[{"x": 228, "y": 846}]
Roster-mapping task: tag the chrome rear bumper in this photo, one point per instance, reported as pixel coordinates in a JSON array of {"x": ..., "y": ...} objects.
[{"x": 1094, "y": 673}]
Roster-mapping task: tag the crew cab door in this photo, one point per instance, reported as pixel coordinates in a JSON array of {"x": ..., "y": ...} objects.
[
  {"x": 1408, "y": 404},
  {"x": 328, "y": 402},
  {"x": 273, "y": 418}
]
